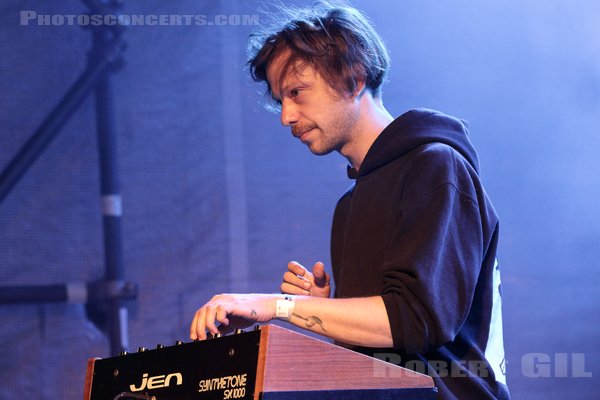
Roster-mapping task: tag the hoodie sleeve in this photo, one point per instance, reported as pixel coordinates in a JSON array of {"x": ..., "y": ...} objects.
[{"x": 433, "y": 257}]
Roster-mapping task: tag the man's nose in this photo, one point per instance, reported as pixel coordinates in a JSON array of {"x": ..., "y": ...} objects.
[{"x": 289, "y": 114}]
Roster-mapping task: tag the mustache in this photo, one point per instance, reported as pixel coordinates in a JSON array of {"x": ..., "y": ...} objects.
[{"x": 298, "y": 130}]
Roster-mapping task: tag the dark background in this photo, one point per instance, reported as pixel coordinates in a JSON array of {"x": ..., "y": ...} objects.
[{"x": 218, "y": 197}]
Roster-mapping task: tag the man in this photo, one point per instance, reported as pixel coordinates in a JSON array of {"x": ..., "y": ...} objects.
[{"x": 413, "y": 242}]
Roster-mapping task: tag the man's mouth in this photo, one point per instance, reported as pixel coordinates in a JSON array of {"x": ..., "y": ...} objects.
[{"x": 299, "y": 133}]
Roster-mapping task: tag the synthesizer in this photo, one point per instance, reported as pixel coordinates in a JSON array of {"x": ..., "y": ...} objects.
[{"x": 267, "y": 363}]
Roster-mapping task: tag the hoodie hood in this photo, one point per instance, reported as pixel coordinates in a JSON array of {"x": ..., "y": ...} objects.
[{"x": 414, "y": 129}]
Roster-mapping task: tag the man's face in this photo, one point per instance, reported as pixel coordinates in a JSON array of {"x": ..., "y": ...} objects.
[{"x": 321, "y": 118}]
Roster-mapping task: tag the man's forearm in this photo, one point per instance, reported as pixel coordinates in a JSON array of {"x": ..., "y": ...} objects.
[{"x": 358, "y": 321}]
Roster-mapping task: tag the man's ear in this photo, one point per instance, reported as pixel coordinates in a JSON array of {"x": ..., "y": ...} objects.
[{"x": 361, "y": 87}]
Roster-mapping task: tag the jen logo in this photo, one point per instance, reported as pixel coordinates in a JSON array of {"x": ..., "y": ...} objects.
[{"x": 156, "y": 382}]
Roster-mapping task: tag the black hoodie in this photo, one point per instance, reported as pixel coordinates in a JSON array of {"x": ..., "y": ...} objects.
[{"x": 418, "y": 229}]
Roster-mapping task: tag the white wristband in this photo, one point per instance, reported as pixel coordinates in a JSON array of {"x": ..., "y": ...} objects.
[{"x": 284, "y": 308}]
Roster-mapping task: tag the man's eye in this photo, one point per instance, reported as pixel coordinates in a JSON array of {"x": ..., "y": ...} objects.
[{"x": 294, "y": 92}]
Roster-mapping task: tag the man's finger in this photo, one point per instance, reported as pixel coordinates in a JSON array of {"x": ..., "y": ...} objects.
[
  {"x": 296, "y": 268},
  {"x": 193, "y": 334},
  {"x": 198, "y": 325},
  {"x": 288, "y": 288},
  {"x": 209, "y": 319},
  {"x": 221, "y": 316},
  {"x": 293, "y": 279},
  {"x": 319, "y": 274}
]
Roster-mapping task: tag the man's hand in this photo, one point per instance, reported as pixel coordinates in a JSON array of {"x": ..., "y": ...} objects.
[
  {"x": 298, "y": 280},
  {"x": 233, "y": 311}
]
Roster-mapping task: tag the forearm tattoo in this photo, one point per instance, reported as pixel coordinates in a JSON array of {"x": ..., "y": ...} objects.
[{"x": 311, "y": 321}]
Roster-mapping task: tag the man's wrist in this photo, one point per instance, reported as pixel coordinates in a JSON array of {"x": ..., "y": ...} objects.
[{"x": 284, "y": 307}]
